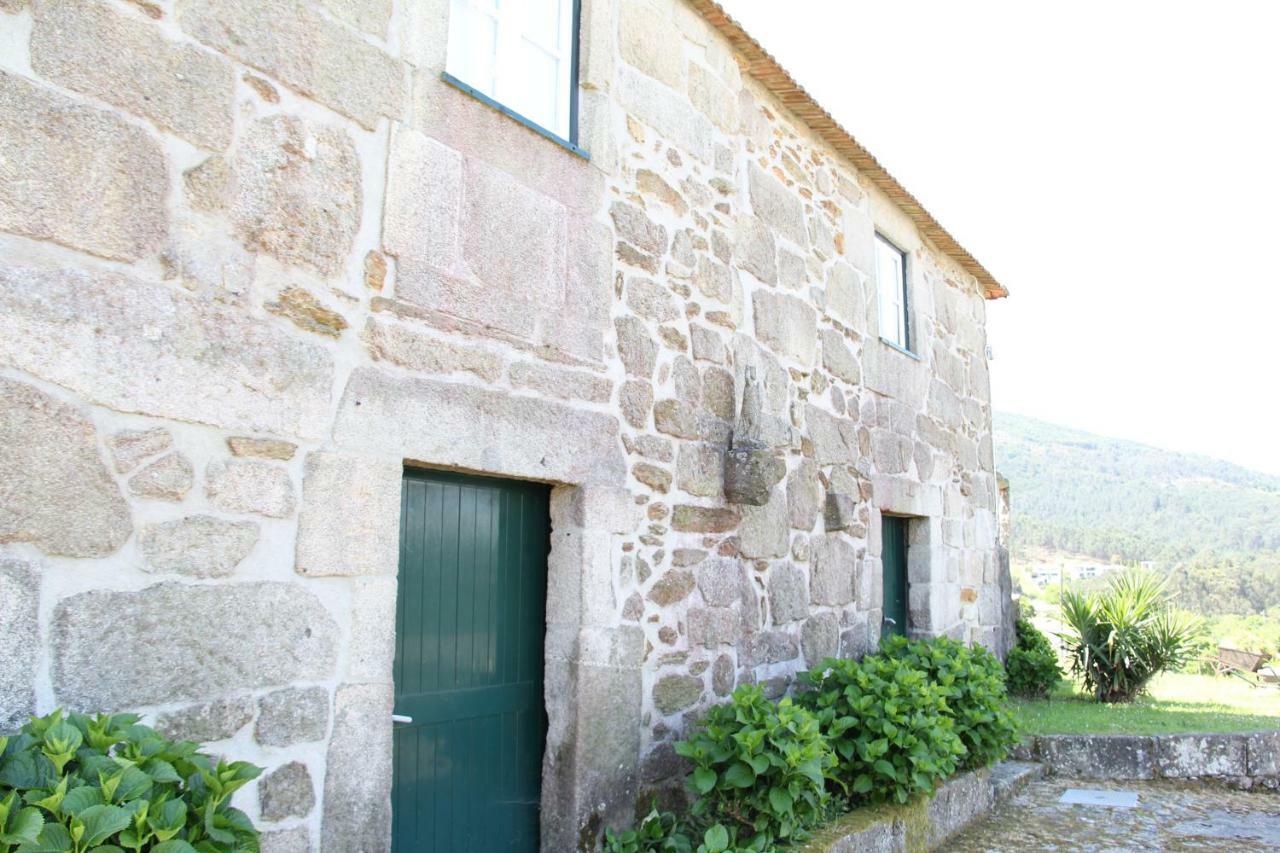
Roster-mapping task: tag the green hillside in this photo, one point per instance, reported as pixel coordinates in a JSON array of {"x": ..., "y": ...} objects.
[{"x": 1107, "y": 498}]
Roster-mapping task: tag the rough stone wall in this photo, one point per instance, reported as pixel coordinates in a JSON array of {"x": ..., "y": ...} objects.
[
  {"x": 255, "y": 256},
  {"x": 1241, "y": 760},
  {"x": 743, "y": 244}
]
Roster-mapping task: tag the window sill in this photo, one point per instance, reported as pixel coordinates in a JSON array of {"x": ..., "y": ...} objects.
[
  {"x": 513, "y": 115},
  {"x": 908, "y": 353}
]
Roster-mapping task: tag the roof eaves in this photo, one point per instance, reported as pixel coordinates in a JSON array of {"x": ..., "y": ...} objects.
[{"x": 764, "y": 68}]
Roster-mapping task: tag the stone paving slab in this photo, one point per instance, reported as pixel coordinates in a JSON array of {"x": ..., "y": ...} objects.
[
  {"x": 1169, "y": 815},
  {"x": 1093, "y": 797}
]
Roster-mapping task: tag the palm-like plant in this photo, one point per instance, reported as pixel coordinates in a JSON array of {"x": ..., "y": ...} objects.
[{"x": 1123, "y": 636}]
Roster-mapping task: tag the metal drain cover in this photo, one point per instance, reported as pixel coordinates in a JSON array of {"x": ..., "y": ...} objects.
[{"x": 1087, "y": 797}]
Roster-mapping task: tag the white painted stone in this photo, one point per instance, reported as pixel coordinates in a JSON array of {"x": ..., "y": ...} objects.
[
  {"x": 357, "y": 781},
  {"x": 292, "y": 715},
  {"x": 373, "y": 630},
  {"x": 169, "y": 478},
  {"x": 649, "y": 41},
  {"x": 833, "y": 564},
  {"x": 803, "y": 495},
  {"x": 564, "y": 384},
  {"x": 371, "y": 16},
  {"x": 146, "y": 348},
  {"x": 201, "y": 546},
  {"x": 93, "y": 48},
  {"x": 296, "y": 839},
  {"x": 834, "y": 438},
  {"x": 250, "y": 485},
  {"x": 787, "y": 325},
  {"x": 518, "y": 436},
  {"x": 286, "y": 792},
  {"x": 81, "y": 177},
  {"x": 411, "y": 348},
  {"x": 754, "y": 249},
  {"x": 245, "y": 636},
  {"x": 713, "y": 98},
  {"x": 713, "y": 626},
  {"x": 838, "y": 358},
  {"x": 776, "y": 205},
  {"x": 216, "y": 720},
  {"x": 859, "y": 240},
  {"x": 131, "y": 447},
  {"x": 19, "y": 654},
  {"x": 424, "y": 199},
  {"x": 820, "y": 638},
  {"x": 765, "y": 531},
  {"x": 312, "y": 55},
  {"x": 296, "y": 192},
  {"x": 718, "y": 581},
  {"x": 55, "y": 491},
  {"x": 651, "y": 102},
  {"x": 846, "y": 297},
  {"x": 349, "y": 524},
  {"x": 788, "y": 594}
]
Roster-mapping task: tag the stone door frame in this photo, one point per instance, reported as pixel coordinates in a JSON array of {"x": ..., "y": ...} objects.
[
  {"x": 592, "y": 677},
  {"x": 927, "y": 567},
  {"x": 387, "y": 421}
]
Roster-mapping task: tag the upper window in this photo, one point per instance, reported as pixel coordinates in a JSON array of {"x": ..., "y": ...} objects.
[
  {"x": 520, "y": 55},
  {"x": 891, "y": 280}
]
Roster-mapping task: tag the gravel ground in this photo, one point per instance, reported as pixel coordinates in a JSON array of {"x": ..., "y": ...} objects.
[{"x": 1169, "y": 816}]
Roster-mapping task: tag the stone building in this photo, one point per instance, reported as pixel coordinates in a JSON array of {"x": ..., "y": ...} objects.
[{"x": 696, "y": 366}]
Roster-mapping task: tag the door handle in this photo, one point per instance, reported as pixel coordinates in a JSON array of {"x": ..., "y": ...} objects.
[
  {"x": 401, "y": 719},
  {"x": 890, "y": 620}
]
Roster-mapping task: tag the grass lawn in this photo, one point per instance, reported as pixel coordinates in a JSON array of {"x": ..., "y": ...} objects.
[{"x": 1175, "y": 703}]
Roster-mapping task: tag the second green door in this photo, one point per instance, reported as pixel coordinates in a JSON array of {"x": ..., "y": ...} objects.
[
  {"x": 470, "y": 724},
  {"x": 893, "y": 556}
]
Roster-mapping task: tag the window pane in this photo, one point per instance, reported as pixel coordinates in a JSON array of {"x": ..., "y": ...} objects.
[
  {"x": 473, "y": 46},
  {"x": 518, "y": 52},
  {"x": 888, "y": 320},
  {"x": 538, "y": 90},
  {"x": 891, "y": 290},
  {"x": 542, "y": 22}
]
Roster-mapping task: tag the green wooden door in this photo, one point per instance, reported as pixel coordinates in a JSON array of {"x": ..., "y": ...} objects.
[
  {"x": 470, "y": 621},
  {"x": 893, "y": 555}
]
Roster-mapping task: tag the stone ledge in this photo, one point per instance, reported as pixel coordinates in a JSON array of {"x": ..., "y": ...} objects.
[
  {"x": 1010, "y": 777},
  {"x": 1241, "y": 759},
  {"x": 923, "y": 824}
]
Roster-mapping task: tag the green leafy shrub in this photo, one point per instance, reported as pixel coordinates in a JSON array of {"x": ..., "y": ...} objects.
[
  {"x": 661, "y": 832},
  {"x": 1123, "y": 636},
  {"x": 1031, "y": 667},
  {"x": 889, "y": 725},
  {"x": 759, "y": 770},
  {"x": 718, "y": 839},
  {"x": 972, "y": 683},
  {"x": 658, "y": 832},
  {"x": 105, "y": 783}
]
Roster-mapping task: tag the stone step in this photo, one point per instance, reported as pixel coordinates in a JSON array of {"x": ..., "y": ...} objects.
[{"x": 1010, "y": 777}]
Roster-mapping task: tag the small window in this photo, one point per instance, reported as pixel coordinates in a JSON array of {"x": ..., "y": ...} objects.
[
  {"x": 891, "y": 279},
  {"x": 519, "y": 54}
]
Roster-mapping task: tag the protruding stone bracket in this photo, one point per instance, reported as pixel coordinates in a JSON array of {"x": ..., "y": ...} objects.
[
  {"x": 751, "y": 467},
  {"x": 750, "y": 474}
]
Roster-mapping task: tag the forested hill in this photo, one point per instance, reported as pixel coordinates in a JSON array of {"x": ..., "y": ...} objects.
[{"x": 1087, "y": 494}]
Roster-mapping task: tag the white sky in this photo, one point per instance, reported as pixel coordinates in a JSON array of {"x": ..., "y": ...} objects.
[{"x": 1115, "y": 164}]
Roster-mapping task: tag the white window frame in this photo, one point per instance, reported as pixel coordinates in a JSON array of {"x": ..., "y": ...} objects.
[
  {"x": 893, "y": 294},
  {"x": 504, "y": 80}
]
